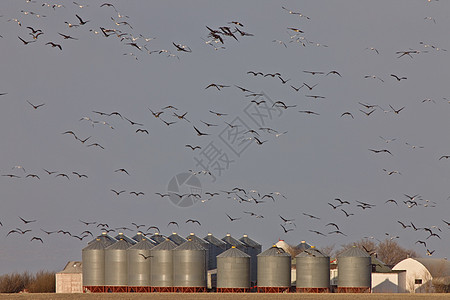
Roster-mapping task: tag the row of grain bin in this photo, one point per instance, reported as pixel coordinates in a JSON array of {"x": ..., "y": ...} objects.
[
  {"x": 123, "y": 261},
  {"x": 169, "y": 267}
]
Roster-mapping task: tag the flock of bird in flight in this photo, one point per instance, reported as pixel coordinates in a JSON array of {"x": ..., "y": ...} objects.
[{"x": 217, "y": 37}]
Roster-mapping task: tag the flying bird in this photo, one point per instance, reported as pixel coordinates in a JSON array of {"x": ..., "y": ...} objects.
[
  {"x": 27, "y": 221},
  {"x": 35, "y": 106},
  {"x": 398, "y": 78},
  {"x": 173, "y": 223},
  {"x": 286, "y": 230},
  {"x": 54, "y": 45},
  {"x": 232, "y": 219},
  {"x": 193, "y": 221}
]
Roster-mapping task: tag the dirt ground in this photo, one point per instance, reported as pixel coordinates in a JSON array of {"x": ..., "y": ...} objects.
[{"x": 211, "y": 296}]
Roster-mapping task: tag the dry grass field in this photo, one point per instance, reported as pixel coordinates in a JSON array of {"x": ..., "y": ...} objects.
[{"x": 211, "y": 296}]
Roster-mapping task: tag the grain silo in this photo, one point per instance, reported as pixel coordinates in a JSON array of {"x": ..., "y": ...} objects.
[
  {"x": 202, "y": 243},
  {"x": 252, "y": 248},
  {"x": 162, "y": 267},
  {"x": 139, "y": 266},
  {"x": 233, "y": 271},
  {"x": 178, "y": 240},
  {"x": 313, "y": 271},
  {"x": 93, "y": 260},
  {"x": 116, "y": 266},
  {"x": 354, "y": 271},
  {"x": 189, "y": 268},
  {"x": 216, "y": 247},
  {"x": 274, "y": 271}
]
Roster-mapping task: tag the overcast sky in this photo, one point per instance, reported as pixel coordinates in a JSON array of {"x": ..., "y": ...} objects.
[{"x": 315, "y": 150}]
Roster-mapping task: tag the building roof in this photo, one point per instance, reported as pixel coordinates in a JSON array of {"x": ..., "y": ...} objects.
[
  {"x": 210, "y": 238},
  {"x": 72, "y": 267}
]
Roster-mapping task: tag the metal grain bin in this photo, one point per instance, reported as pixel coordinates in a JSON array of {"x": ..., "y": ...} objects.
[
  {"x": 93, "y": 259},
  {"x": 162, "y": 264},
  {"x": 139, "y": 263},
  {"x": 216, "y": 247},
  {"x": 233, "y": 271},
  {"x": 313, "y": 271},
  {"x": 202, "y": 243},
  {"x": 253, "y": 249},
  {"x": 174, "y": 237},
  {"x": 116, "y": 265},
  {"x": 158, "y": 238},
  {"x": 274, "y": 270},
  {"x": 189, "y": 267},
  {"x": 354, "y": 271}
]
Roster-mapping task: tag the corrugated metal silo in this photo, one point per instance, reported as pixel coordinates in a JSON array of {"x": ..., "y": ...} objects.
[
  {"x": 93, "y": 259},
  {"x": 158, "y": 238},
  {"x": 313, "y": 271},
  {"x": 189, "y": 267},
  {"x": 202, "y": 243},
  {"x": 139, "y": 263},
  {"x": 354, "y": 271},
  {"x": 233, "y": 271},
  {"x": 116, "y": 266},
  {"x": 253, "y": 249},
  {"x": 274, "y": 271},
  {"x": 174, "y": 237},
  {"x": 162, "y": 266},
  {"x": 216, "y": 247}
]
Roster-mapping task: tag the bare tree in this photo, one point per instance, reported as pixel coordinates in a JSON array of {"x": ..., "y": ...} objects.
[{"x": 391, "y": 253}]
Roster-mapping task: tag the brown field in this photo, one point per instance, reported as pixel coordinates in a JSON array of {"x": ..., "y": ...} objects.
[{"x": 210, "y": 296}]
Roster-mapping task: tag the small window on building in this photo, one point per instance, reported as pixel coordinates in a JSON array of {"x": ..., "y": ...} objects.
[{"x": 418, "y": 281}]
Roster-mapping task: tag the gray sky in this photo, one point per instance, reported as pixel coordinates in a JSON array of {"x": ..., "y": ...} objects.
[{"x": 320, "y": 158}]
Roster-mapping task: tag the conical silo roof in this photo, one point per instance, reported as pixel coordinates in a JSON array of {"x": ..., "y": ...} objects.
[
  {"x": 190, "y": 245},
  {"x": 196, "y": 239},
  {"x": 249, "y": 242},
  {"x": 142, "y": 245},
  {"x": 119, "y": 245},
  {"x": 139, "y": 237},
  {"x": 303, "y": 246},
  {"x": 95, "y": 245},
  {"x": 311, "y": 252},
  {"x": 233, "y": 252},
  {"x": 274, "y": 251},
  {"x": 233, "y": 242},
  {"x": 354, "y": 252},
  {"x": 158, "y": 238},
  {"x": 174, "y": 237},
  {"x": 210, "y": 238},
  {"x": 105, "y": 239},
  {"x": 122, "y": 236},
  {"x": 166, "y": 245}
]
